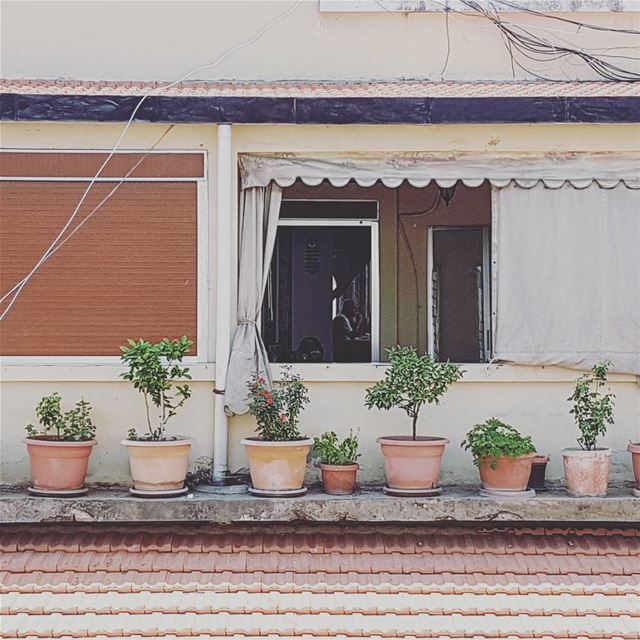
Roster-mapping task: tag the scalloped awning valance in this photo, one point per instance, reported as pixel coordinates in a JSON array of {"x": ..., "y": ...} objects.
[{"x": 581, "y": 170}]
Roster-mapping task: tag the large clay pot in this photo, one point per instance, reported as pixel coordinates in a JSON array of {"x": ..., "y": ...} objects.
[
  {"x": 158, "y": 465},
  {"x": 634, "y": 450},
  {"x": 510, "y": 474},
  {"x": 339, "y": 480},
  {"x": 586, "y": 473},
  {"x": 57, "y": 465},
  {"x": 412, "y": 464},
  {"x": 277, "y": 466}
]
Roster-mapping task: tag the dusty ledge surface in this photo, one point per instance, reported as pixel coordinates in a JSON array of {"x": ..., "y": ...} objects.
[{"x": 456, "y": 504}]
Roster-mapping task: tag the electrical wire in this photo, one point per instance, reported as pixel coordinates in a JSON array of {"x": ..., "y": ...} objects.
[
  {"x": 17, "y": 289},
  {"x": 61, "y": 243},
  {"x": 578, "y": 23},
  {"x": 446, "y": 60},
  {"x": 529, "y": 45}
]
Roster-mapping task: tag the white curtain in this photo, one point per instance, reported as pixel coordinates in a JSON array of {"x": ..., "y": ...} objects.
[
  {"x": 259, "y": 211},
  {"x": 567, "y": 286}
]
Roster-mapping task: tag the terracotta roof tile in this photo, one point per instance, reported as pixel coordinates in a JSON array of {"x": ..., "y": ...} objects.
[
  {"x": 307, "y": 582},
  {"x": 314, "y": 89}
]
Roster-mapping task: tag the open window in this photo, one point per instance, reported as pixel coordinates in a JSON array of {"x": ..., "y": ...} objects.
[{"x": 322, "y": 297}]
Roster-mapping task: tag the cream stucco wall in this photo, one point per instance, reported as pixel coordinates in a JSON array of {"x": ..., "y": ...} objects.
[
  {"x": 162, "y": 40},
  {"x": 533, "y": 399}
]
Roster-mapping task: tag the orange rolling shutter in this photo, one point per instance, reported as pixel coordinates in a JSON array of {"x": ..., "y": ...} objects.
[{"x": 129, "y": 272}]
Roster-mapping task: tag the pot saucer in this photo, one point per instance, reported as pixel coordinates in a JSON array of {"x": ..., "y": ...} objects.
[
  {"x": 412, "y": 493},
  {"x": 58, "y": 493},
  {"x": 495, "y": 493},
  {"x": 168, "y": 493},
  {"x": 277, "y": 493}
]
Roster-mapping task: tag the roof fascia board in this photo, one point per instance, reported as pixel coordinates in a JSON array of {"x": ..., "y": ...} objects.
[{"x": 260, "y": 110}]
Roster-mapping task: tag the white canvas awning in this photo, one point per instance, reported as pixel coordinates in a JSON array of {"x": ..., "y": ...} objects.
[{"x": 581, "y": 170}]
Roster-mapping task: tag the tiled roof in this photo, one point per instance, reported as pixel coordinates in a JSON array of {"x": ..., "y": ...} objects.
[
  {"x": 319, "y": 582},
  {"x": 310, "y": 89}
]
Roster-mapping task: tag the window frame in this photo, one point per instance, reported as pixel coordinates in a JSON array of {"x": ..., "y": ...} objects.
[
  {"x": 487, "y": 288},
  {"x": 202, "y": 248},
  {"x": 374, "y": 293}
]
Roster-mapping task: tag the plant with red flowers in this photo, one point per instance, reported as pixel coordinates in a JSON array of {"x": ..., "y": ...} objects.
[{"x": 277, "y": 411}]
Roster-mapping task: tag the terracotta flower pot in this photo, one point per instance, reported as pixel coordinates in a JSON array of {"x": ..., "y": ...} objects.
[
  {"x": 412, "y": 464},
  {"x": 58, "y": 465},
  {"x": 586, "y": 473},
  {"x": 158, "y": 465},
  {"x": 538, "y": 471},
  {"x": 339, "y": 480},
  {"x": 634, "y": 449},
  {"x": 510, "y": 474},
  {"x": 277, "y": 466}
]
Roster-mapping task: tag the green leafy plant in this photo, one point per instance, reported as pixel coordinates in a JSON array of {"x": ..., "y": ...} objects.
[
  {"x": 277, "y": 410},
  {"x": 592, "y": 408},
  {"x": 154, "y": 370},
  {"x": 331, "y": 451},
  {"x": 494, "y": 438},
  {"x": 74, "y": 425},
  {"x": 412, "y": 381}
]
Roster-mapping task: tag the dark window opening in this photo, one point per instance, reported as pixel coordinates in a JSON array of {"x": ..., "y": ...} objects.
[
  {"x": 460, "y": 294},
  {"x": 317, "y": 305}
]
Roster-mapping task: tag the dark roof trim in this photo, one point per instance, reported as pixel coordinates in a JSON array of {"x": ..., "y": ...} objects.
[{"x": 22, "y": 107}]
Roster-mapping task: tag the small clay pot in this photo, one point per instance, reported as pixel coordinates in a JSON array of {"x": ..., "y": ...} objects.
[
  {"x": 412, "y": 464},
  {"x": 586, "y": 473},
  {"x": 538, "y": 471},
  {"x": 58, "y": 465},
  {"x": 339, "y": 480},
  {"x": 634, "y": 450},
  {"x": 510, "y": 474},
  {"x": 158, "y": 465},
  {"x": 277, "y": 466}
]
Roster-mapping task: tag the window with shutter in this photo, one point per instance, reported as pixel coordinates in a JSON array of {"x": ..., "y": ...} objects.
[{"x": 130, "y": 270}]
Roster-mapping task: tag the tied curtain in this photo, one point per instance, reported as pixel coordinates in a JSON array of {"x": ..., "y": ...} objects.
[
  {"x": 567, "y": 276},
  {"x": 259, "y": 211}
]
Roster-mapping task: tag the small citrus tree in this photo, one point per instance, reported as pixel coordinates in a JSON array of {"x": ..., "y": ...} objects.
[
  {"x": 412, "y": 381},
  {"x": 592, "y": 408},
  {"x": 154, "y": 370}
]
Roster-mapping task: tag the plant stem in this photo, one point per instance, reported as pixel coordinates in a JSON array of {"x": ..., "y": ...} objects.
[
  {"x": 146, "y": 404},
  {"x": 415, "y": 422}
]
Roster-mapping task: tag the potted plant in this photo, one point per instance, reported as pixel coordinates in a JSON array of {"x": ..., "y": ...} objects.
[
  {"x": 412, "y": 463},
  {"x": 158, "y": 462},
  {"x": 278, "y": 455},
  {"x": 634, "y": 450},
  {"x": 502, "y": 455},
  {"x": 537, "y": 480},
  {"x": 59, "y": 450},
  {"x": 338, "y": 462},
  {"x": 586, "y": 469}
]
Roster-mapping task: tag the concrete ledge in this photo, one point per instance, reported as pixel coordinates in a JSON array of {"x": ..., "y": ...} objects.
[{"x": 456, "y": 504}]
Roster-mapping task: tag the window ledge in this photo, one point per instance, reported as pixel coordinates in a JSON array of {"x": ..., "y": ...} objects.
[
  {"x": 457, "y": 503},
  {"x": 86, "y": 372},
  {"x": 313, "y": 372},
  {"x": 475, "y": 372}
]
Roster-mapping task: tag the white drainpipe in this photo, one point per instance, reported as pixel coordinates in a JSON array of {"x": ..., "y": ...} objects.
[{"x": 224, "y": 275}]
